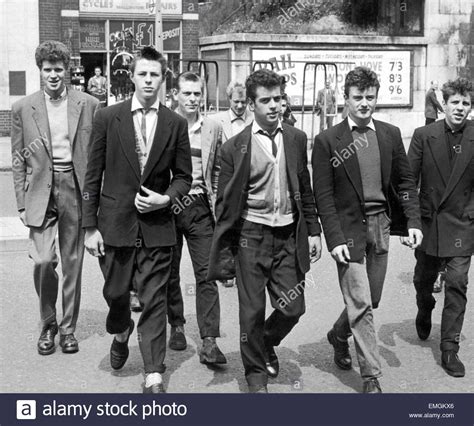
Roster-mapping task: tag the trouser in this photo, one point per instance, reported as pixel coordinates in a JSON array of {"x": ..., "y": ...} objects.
[
  {"x": 361, "y": 285},
  {"x": 150, "y": 268},
  {"x": 455, "y": 293},
  {"x": 325, "y": 120},
  {"x": 266, "y": 258},
  {"x": 63, "y": 217},
  {"x": 195, "y": 223}
]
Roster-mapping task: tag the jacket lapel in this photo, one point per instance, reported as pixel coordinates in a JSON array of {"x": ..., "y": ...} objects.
[
  {"x": 40, "y": 116},
  {"x": 74, "y": 110},
  {"x": 385, "y": 148},
  {"x": 438, "y": 150},
  {"x": 126, "y": 135},
  {"x": 162, "y": 136},
  {"x": 206, "y": 143},
  {"x": 227, "y": 126},
  {"x": 463, "y": 158},
  {"x": 344, "y": 153},
  {"x": 291, "y": 160}
]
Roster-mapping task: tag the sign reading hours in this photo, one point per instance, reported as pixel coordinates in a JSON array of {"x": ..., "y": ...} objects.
[{"x": 391, "y": 66}]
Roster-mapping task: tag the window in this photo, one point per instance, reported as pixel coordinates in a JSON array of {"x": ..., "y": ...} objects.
[{"x": 17, "y": 81}]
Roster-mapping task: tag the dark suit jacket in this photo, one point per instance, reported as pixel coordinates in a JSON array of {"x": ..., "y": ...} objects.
[
  {"x": 446, "y": 198},
  {"x": 432, "y": 106},
  {"x": 113, "y": 177},
  {"x": 232, "y": 196},
  {"x": 32, "y": 157},
  {"x": 338, "y": 186}
]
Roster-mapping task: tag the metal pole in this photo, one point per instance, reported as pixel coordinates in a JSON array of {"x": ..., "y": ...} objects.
[{"x": 159, "y": 45}]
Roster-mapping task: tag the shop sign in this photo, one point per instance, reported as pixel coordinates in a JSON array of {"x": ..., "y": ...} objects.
[
  {"x": 133, "y": 35},
  {"x": 92, "y": 35},
  {"x": 120, "y": 7}
]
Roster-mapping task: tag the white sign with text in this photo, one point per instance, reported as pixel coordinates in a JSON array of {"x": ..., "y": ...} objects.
[{"x": 391, "y": 66}]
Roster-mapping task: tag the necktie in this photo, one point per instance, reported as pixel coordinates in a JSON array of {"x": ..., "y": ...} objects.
[
  {"x": 143, "y": 125},
  {"x": 272, "y": 138}
]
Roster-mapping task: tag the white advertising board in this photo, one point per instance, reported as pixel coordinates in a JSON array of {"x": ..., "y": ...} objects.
[{"x": 392, "y": 67}]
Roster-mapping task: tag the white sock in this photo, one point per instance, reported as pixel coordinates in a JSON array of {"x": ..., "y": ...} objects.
[{"x": 153, "y": 379}]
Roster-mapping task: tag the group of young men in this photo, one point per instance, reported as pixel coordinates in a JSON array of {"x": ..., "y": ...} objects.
[{"x": 136, "y": 178}]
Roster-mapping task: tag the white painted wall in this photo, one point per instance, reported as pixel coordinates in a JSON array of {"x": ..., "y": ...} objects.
[{"x": 20, "y": 37}]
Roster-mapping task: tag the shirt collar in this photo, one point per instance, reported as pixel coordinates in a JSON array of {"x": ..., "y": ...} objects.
[
  {"x": 449, "y": 130},
  {"x": 197, "y": 124},
  {"x": 257, "y": 129},
  {"x": 352, "y": 124},
  {"x": 136, "y": 105},
  {"x": 234, "y": 116},
  {"x": 60, "y": 98}
]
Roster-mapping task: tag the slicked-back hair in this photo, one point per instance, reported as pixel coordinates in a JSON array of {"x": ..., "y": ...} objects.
[
  {"x": 151, "y": 54},
  {"x": 189, "y": 76},
  {"x": 52, "y": 51},
  {"x": 235, "y": 86},
  {"x": 262, "y": 78},
  {"x": 461, "y": 86},
  {"x": 362, "y": 78}
]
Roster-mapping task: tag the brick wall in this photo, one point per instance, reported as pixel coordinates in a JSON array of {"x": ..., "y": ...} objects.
[
  {"x": 190, "y": 40},
  {"x": 49, "y": 18},
  {"x": 5, "y": 123}
]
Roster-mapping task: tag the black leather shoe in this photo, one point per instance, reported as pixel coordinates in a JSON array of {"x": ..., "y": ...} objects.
[
  {"x": 210, "y": 352},
  {"x": 46, "y": 340},
  {"x": 177, "y": 340},
  {"x": 68, "y": 343},
  {"x": 119, "y": 350},
  {"x": 135, "y": 305},
  {"x": 155, "y": 388},
  {"x": 423, "y": 322},
  {"x": 372, "y": 386},
  {"x": 342, "y": 357},
  {"x": 452, "y": 364},
  {"x": 272, "y": 365}
]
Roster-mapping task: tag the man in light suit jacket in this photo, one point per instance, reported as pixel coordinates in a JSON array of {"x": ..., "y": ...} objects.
[
  {"x": 442, "y": 159},
  {"x": 233, "y": 122},
  {"x": 139, "y": 163},
  {"x": 326, "y": 104},
  {"x": 266, "y": 227},
  {"x": 238, "y": 116},
  {"x": 361, "y": 176},
  {"x": 195, "y": 222},
  {"x": 50, "y": 140}
]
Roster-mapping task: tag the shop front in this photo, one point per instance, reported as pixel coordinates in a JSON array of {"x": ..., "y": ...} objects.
[{"x": 109, "y": 37}]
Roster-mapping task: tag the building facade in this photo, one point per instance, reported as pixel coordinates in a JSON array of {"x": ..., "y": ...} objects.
[
  {"x": 434, "y": 40},
  {"x": 99, "y": 33}
]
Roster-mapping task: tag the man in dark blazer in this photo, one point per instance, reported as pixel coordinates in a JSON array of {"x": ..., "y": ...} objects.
[
  {"x": 432, "y": 105},
  {"x": 139, "y": 163},
  {"x": 266, "y": 228},
  {"x": 50, "y": 141},
  {"x": 442, "y": 159},
  {"x": 359, "y": 169}
]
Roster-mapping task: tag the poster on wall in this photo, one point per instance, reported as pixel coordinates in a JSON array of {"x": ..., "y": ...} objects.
[
  {"x": 392, "y": 67},
  {"x": 133, "y": 35},
  {"x": 92, "y": 35}
]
